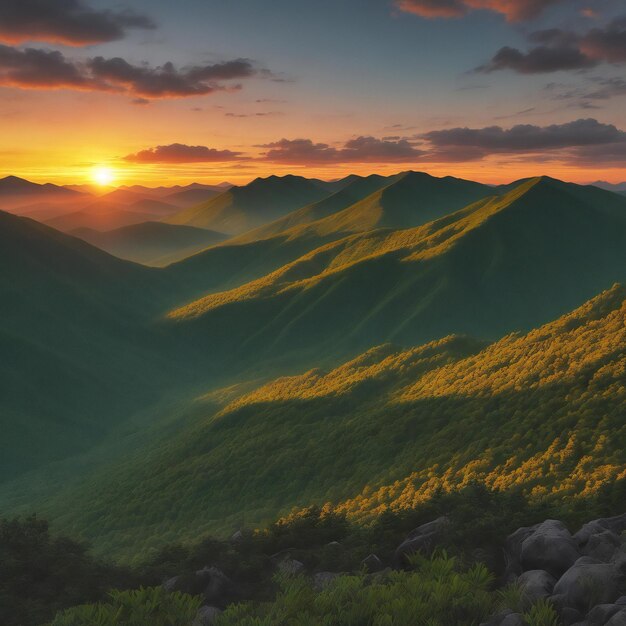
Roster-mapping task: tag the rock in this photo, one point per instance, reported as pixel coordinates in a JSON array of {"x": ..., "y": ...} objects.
[
  {"x": 550, "y": 547},
  {"x": 291, "y": 567},
  {"x": 619, "y": 619},
  {"x": 621, "y": 601},
  {"x": 601, "y": 614},
  {"x": 514, "y": 619},
  {"x": 496, "y": 620},
  {"x": 236, "y": 537},
  {"x": 586, "y": 584},
  {"x": 602, "y": 545},
  {"x": 333, "y": 544},
  {"x": 536, "y": 584},
  {"x": 615, "y": 524},
  {"x": 170, "y": 584},
  {"x": 211, "y": 583},
  {"x": 372, "y": 563},
  {"x": 425, "y": 538},
  {"x": 570, "y": 616},
  {"x": 513, "y": 550},
  {"x": 206, "y": 616},
  {"x": 321, "y": 580}
]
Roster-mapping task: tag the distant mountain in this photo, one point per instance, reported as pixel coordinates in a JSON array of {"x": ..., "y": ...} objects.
[
  {"x": 617, "y": 187},
  {"x": 152, "y": 243},
  {"x": 191, "y": 197},
  {"x": 263, "y": 200},
  {"x": 100, "y": 215},
  {"x": 386, "y": 429},
  {"x": 501, "y": 264},
  {"x": 16, "y": 192}
]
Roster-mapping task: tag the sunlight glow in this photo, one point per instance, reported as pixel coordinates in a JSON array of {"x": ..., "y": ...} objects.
[{"x": 102, "y": 175}]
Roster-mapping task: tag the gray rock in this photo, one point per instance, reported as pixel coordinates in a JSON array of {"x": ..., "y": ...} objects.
[
  {"x": 206, "y": 616},
  {"x": 550, "y": 547},
  {"x": 536, "y": 584},
  {"x": 236, "y": 537},
  {"x": 586, "y": 584},
  {"x": 321, "y": 580},
  {"x": 602, "y": 545},
  {"x": 496, "y": 620},
  {"x": 209, "y": 582},
  {"x": 621, "y": 601},
  {"x": 570, "y": 616},
  {"x": 291, "y": 567},
  {"x": 425, "y": 538},
  {"x": 615, "y": 524},
  {"x": 619, "y": 619},
  {"x": 372, "y": 563},
  {"x": 514, "y": 619},
  {"x": 602, "y": 613},
  {"x": 170, "y": 584}
]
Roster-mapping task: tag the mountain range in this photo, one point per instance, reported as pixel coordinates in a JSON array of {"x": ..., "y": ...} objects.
[{"x": 361, "y": 342}]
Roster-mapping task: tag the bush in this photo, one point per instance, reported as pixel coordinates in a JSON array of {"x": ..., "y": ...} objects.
[{"x": 142, "y": 607}]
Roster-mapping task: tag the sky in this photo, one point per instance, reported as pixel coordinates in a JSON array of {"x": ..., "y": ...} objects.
[{"x": 160, "y": 92}]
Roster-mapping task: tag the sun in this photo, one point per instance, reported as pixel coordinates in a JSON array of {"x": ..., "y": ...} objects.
[{"x": 102, "y": 175}]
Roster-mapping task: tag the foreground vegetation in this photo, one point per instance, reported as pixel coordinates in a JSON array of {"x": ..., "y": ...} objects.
[{"x": 42, "y": 575}]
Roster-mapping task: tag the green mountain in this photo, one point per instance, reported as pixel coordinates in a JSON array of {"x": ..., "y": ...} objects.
[
  {"x": 386, "y": 429},
  {"x": 152, "y": 243},
  {"x": 243, "y": 208},
  {"x": 77, "y": 351},
  {"x": 502, "y": 264}
]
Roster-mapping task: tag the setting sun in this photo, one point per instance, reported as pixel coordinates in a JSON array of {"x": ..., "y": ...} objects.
[{"x": 102, "y": 175}]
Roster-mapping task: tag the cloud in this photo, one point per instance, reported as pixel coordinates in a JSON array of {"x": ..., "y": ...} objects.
[
  {"x": 43, "y": 69},
  {"x": 573, "y": 139},
  {"x": 35, "y": 68},
  {"x": 182, "y": 153},
  {"x": 564, "y": 50},
  {"x": 69, "y": 22},
  {"x": 359, "y": 150},
  {"x": 513, "y": 10}
]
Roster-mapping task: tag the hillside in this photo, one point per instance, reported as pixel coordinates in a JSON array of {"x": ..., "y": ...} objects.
[
  {"x": 68, "y": 312},
  {"x": 152, "y": 243},
  {"x": 542, "y": 411},
  {"x": 101, "y": 215},
  {"x": 243, "y": 208},
  {"x": 502, "y": 264}
]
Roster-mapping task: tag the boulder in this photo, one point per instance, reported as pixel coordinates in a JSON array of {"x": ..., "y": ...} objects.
[
  {"x": 588, "y": 583},
  {"x": 615, "y": 524},
  {"x": 321, "y": 580},
  {"x": 236, "y": 537},
  {"x": 290, "y": 567},
  {"x": 536, "y": 584},
  {"x": 206, "y": 616},
  {"x": 513, "y": 550},
  {"x": 514, "y": 619},
  {"x": 211, "y": 583},
  {"x": 372, "y": 563},
  {"x": 602, "y": 613},
  {"x": 425, "y": 539},
  {"x": 570, "y": 616},
  {"x": 602, "y": 545},
  {"x": 619, "y": 619},
  {"x": 550, "y": 547}
]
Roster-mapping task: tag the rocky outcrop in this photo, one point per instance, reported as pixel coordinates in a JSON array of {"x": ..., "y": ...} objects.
[
  {"x": 216, "y": 589},
  {"x": 425, "y": 538},
  {"x": 207, "y": 616}
]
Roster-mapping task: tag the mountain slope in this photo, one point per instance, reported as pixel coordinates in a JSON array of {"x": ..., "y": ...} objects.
[
  {"x": 68, "y": 312},
  {"x": 242, "y": 208},
  {"x": 502, "y": 264},
  {"x": 152, "y": 243},
  {"x": 541, "y": 412}
]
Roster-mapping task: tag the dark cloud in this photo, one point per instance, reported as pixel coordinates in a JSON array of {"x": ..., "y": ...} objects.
[
  {"x": 69, "y": 22},
  {"x": 564, "y": 50},
  {"x": 527, "y": 137},
  {"x": 538, "y": 60},
  {"x": 513, "y": 10},
  {"x": 359, "y": 150},
  {"x": 34, "y": 68},
  {"x": 181, "y": 153}
]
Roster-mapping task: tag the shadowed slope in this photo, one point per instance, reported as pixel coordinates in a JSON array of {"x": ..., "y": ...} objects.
[
  {"x": 152, "y": 243},
  {"x": 68, "y": 313}
]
